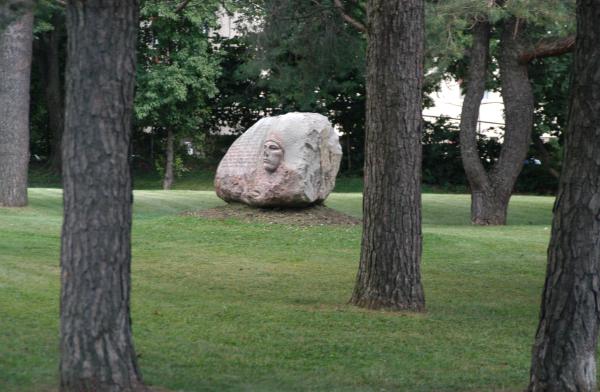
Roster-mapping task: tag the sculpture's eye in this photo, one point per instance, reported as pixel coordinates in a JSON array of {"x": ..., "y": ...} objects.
[{"x": 272, "y": 146}]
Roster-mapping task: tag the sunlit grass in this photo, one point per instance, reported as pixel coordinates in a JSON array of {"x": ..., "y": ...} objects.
[{"x": 231, "y": 306}]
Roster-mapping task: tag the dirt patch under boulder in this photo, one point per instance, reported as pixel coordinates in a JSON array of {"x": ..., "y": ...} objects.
[{"x": 317, "y": 215}]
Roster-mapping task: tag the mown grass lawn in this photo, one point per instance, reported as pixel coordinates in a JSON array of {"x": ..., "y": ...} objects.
[{"x": 231, "y": 306}]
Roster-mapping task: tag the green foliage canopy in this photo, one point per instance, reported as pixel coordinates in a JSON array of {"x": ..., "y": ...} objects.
[{"x": 177, "y": 64}]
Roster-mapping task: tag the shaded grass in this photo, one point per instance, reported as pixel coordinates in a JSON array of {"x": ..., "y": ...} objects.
[{"x": 231, "y": 306}]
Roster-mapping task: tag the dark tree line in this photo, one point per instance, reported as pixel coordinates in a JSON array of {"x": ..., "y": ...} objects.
[{"x": 312, "y": 39}]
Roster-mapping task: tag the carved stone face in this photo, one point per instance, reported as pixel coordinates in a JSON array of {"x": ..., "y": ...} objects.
[{"x": 272, "y": 155}]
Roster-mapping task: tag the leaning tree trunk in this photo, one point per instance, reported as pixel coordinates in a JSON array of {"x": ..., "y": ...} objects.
[
  {"x": 564, "y": 353},
  {"x": 517, "y": 95},
  {"x": 389, "y": 271},
  {"x": 491, "y": 191},
  {"x": 170, "y": 153},
  {"x": 96, "y": 347},
  {"x": 481, "y": 188},
  {"x": 15, "y": 75}
]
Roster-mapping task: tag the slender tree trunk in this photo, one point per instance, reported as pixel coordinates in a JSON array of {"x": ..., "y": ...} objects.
[
  {"x": 491, "y": 191},
  {"x": 389, "y": 271},
  {"x": 15, "y": 75},
  {"x": 96, "y": 347},
  {"x": 53, "y": 89},
  {"x": 482, "y": 192},
  {"x": 168, "y": 180},
  {"x": 564, "y": 352},
  {"x": 517, "y": 95}
]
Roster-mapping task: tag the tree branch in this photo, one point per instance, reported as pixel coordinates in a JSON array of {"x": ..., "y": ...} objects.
[
  {"x": 359, "y": 5},
  {"x": 182, "y": 6},
  {"x": 355, "y": 23},
  {"x": 551, "y": 48},
  {"x": 227, "y": 10}
]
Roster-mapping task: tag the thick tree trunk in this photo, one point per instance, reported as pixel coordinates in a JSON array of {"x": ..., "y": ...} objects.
[
  {"x": 491, "y": 191},
  {"x": 53, "y": 90},
  {"x": 96, "y": 346},
  {"x": 170, "y": 153},
  {"x": 15, "y": 75},
  {"x": 389, "y": 272},
  {"x": 564, "y": 353},
  {"x": 489, "y": 207}
]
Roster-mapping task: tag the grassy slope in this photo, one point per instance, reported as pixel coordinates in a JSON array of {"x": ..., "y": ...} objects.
[{"x": 226, "y": 306}]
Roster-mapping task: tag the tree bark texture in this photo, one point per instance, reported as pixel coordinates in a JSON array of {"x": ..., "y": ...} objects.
[
  {"x": 170, "y": 153},
  {"x": 564, "y": 352},
  {"x": 389, "y": 272},
  {"x": 491, "y": 191},
  {"x": 517, "y": 96},
  {"x": 481, "y": 188},
  {"x": 53, "y": 89},
  {"x": 15, "y": 76},
  {"x": 96, "y": 344},
  {"x": 555, "y": 47}
]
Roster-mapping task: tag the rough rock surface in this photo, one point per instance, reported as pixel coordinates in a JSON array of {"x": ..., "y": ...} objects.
[{"x": 282, "y": 161}]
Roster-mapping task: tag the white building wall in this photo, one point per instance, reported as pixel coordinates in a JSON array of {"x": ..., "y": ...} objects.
[{"x": 448, "y": 103}]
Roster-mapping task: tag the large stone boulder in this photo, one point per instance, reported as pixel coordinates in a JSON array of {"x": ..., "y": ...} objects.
[{"x": 283, "y": 161}]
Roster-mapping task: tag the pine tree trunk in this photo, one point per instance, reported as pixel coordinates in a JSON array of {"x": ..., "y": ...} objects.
[
  {"x": 15, "y": 75},
  {"x": 389, "y": 272},
  {"x": 489, "y": 207},
  {"x": 517, "y": 96},
  {"x": 53, "y": 90},
  {"x": 564, "y": 352},
  {"x": 483, "y": 210},
  {"x": 491, "y": 191},
  {"x": 96, "y": 346},
  {"x": 170, "y": 153}
]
